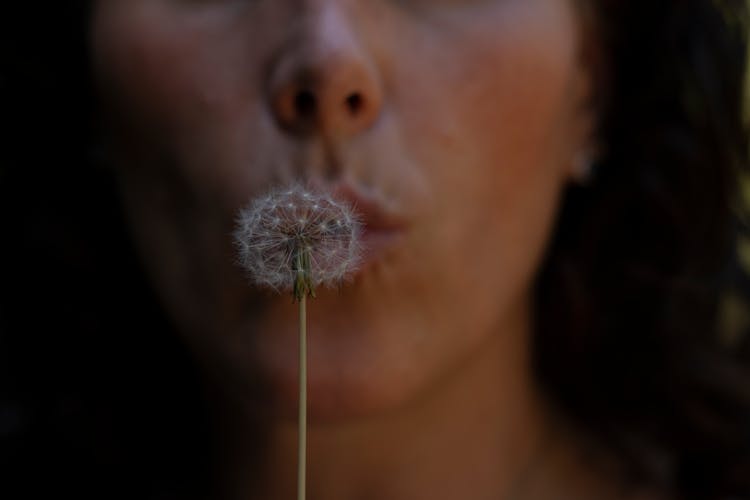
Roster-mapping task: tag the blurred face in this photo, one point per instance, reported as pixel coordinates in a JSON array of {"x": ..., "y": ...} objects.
[{"x": 451, "y": 123}]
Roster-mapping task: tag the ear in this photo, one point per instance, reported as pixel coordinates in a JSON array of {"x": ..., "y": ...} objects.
[{"x": 589, "y": 91}]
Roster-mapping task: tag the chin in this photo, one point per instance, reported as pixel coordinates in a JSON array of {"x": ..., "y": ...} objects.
[{"x": 356, "y": 362}]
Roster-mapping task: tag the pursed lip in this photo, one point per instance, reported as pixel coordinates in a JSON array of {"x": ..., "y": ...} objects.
[{"x": 382, "y": 230}]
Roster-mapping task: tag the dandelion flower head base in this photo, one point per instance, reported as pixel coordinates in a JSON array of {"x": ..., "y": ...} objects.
[{"x": 295, "y": 239}]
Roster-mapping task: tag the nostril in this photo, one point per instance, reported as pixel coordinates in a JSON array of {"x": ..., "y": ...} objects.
[
  {"x": 354, "y": 103},
  {"x": 305, "y": 104}
]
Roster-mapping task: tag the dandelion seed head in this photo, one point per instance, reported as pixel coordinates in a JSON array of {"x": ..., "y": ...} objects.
[{"x": 274, "y": 227}]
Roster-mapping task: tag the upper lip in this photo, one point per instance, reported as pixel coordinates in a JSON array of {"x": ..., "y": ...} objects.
[{"x": 375, "y": 217}]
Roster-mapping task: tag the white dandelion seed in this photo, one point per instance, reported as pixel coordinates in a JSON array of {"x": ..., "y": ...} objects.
[{"x": 276, "y": 229}]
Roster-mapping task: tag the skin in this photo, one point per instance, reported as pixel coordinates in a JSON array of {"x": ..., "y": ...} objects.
[{"x": 468, "y": 116}]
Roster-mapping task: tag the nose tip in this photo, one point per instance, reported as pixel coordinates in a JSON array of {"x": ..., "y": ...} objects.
[{"x": 335, "y": 97}]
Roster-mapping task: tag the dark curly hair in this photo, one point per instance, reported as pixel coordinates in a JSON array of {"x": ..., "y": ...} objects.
[
  {"x": 98, "y": 395},
  {"x": 628, "y": 337}
]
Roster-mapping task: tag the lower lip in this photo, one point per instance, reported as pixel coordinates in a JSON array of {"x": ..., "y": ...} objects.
[{"x": 377, "y": 243}]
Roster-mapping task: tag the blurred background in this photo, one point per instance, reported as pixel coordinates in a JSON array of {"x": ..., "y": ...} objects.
[{"x": 736, "y": 307}]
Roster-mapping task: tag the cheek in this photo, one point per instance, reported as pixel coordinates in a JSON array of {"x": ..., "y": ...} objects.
[
  {"x": 166, "y": 76},
  {"x": 503, "y": 86},
  {"x": 171, "y": 69},
  {"x": 140, "y": 63},
  {"x": 496, "y": 141},
  {"x": 181, "y": 88}
]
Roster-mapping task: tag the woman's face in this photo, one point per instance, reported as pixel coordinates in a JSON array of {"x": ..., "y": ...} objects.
[{"x": 452, "y": 122}]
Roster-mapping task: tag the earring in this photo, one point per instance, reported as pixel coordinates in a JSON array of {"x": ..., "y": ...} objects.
[{"x": 583, "y": 166}]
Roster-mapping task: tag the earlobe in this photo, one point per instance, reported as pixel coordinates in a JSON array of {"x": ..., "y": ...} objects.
[
  {"x": 582, "y": 166},
  {"x": 588, "y": 145},
  {"x": 589, "y": 91},
  {"x": 586, "y": 129}
]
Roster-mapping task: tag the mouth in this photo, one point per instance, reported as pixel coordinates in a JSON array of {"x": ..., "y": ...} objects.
[{"x": 382, "y": 229}]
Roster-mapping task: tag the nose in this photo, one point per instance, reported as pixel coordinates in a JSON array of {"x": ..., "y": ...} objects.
[{"x": 323, "y": 82}]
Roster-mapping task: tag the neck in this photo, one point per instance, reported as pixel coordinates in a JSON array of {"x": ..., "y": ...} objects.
[{"x": 471, "y": 435}]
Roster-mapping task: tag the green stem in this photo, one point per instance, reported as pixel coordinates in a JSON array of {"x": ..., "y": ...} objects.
[{"x": 302, "y": 436}]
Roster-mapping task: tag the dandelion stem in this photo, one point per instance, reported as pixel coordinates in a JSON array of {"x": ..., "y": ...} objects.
[
  {"x": 280, "y": 237},
  {"x": 302, "y": 436}
]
